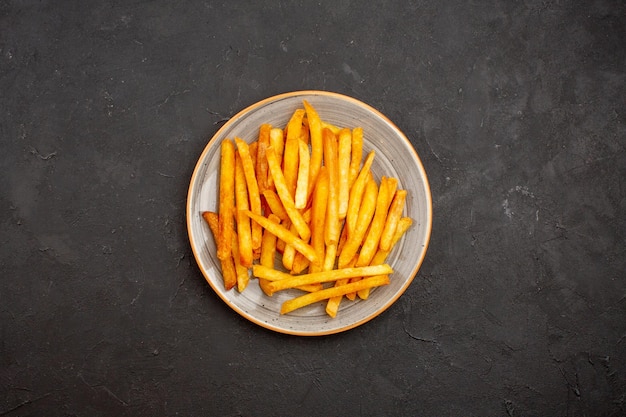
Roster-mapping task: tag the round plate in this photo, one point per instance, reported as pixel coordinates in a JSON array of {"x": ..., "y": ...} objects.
[{"x": 395, "y": 157}]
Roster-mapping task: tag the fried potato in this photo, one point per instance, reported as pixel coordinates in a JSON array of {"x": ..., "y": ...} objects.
[
  {"x": 229, "y": 274},
  {"x": 356, "y": 153},
  {"x": 356, "y": 193},
  {"x": 262, "y": 170},
  {"x": 290, "y": 157},
  {"x": 307, "y": 299},
  {"x": 253, "y": 188},
  {"x": 344, "y": 152},
  {"x": 318, "y": 216},
  {"x": 331, "y": 234},
  {"x": 244, "y": 233},
  {"x": 395, "y": 213},
  {"x": 275, "y": 205},
  {"x": 287, "y": 281},
  {"x": 227, "y": 199},
  {"x": 302, "y": 184},
  {"x": 317, "y": 147}
]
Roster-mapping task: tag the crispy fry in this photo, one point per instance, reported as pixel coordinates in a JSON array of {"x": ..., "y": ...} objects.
[
  {"x": 244, "y": 233},
  {"x": 253, "y": 188},
  {"x": 366, "y": 213},
  {"x": 277, "y": 141},
  {"x": 317, "y": 146},
  {"x": 332, "y": 127},
  {"x": 227, "y": 199},
  {"x": 331, "y": 234},
  {"x": 289, "y": 253},
  {"x": 356, "y": 193},
  {"x": 285, "y": 197},
  {"x": 356, "y": 153},
  {"x": 307, "y": 299},
  {"x": 287, "y": 281},
  {"x": 274, "y": 204},
  {"x": 302, "y": 185},
  {"x": 395, "y": 213},
  {"x": 318, "y": 215},
  {"x": 228, "y": 266},
  {"x": 261, "y": 160},
  {"x": 344, "y": 152},
  {"x": 268, "y": 250},
  {"x": 242, "y": 272},
  {"x": 284, "y": 234},
  {"x": 290, "y": 157}
]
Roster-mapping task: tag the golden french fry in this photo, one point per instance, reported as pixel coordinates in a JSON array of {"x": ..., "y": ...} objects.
[
  {"x": 290, "y": 157},
  {"x": 381, "y": 255},
  {"x": 284, "y": 234},
  {"x": 254, "y": 150},
  {"x": 317, "y": 146},
  {"x": 227, "y": 199},
  {"x": 300, "y": 263},
  {"x": 244, "y": 233},
  {"x": 287, "y": 281},
  {"x": 356, "y": 153},
  {"x": 318, "y": 216},
  {"x": 242, "y": 272},
  {"x": 277, "y": 141},
  {"x": 331, "y": 234},
  {"x": 268, "y": 250},
  {"x": 280, "y": 244},
  {"x": 307, "y": 299},
  {"x": 344, "y": 152},
  {"x": 285, "y": 197},
  {"x": 364, "y": 219},
  {"x": 330, "y": 257},
  {"x": 253, "y": 188},
  {"x": 289, "y": 253},
  {"x": 261, "y": 160},
  {"x": 274, "y": 204},
  {"x": 395, "y": 213},
  {"x": 370, "y": 243},
  {"x": 356, "y": 193},
  {"x": 302, "y": 184},
  {"x": 229, "y": 274}
]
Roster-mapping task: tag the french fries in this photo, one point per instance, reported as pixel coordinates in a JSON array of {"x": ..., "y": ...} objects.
[{"x": 300, "y": 211}]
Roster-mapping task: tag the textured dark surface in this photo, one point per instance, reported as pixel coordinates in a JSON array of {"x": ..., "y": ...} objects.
[{"x": 517, "y": 109}]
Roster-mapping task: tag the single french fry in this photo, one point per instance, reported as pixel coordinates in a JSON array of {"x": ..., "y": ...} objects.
[
  {"x": 290, "y": 157},
  {"x": 308, "y": 299},
  {"x": 381, "y": 255},
  {"x": 395, "y": 213},
  {"x": 344, "y": 152},
  {"x": 289, "y": 253},
  {"x": 331, "y": 234},
  {"x": 317, "y": 145},
  {"x": 277, "y": 141},
  {"x": 254, "y": 150},
  {"x": 244, "y": 233},
  {"x": 261, "y": 160},
  {"x": 318, "y": 216},
  {"x": 280, "y": 244},
  {"x": 275, "y": 205},
  {"x": 229, "y": 274},
  {"x": 285, "y": 197},
  {"x": 330, "y": 257},
  {"x": 242, "y": 272},
  {"x": 300, "y": 263},
  {"x": 356, "y": 193},
  {"x": 268, "y": 250},
  {"x": 227, "y": 199},
  {"x": 253, "y": 188},
  {"x": 284, "y": 234},
  {"x": 302, "y": 184},
  {"x": 356, "y": 153},
  {"x": 366, "y": 213},
  {"x": 291, "y": 281}
]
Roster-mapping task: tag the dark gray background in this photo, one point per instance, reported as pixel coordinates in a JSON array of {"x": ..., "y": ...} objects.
[{"x": 517, "y": 109}]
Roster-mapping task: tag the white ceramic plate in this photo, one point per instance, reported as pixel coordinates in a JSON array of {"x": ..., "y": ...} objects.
[{"x": 395, "y": 157}]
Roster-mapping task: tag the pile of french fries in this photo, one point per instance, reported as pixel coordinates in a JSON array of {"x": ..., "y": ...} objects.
[{"x": 305, "y": 192}]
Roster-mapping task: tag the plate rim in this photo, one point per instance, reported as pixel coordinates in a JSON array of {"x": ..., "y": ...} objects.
[{"x": 195, "y": 178}]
